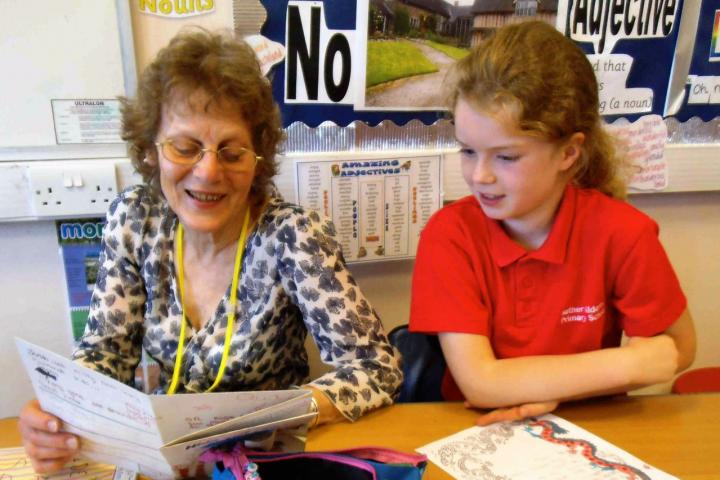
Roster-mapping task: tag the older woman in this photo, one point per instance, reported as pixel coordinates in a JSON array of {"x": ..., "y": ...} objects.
[{"x": 206, "y": 268}]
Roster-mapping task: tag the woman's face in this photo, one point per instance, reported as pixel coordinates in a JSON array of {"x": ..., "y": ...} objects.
[{"x": 206, "y": 197}]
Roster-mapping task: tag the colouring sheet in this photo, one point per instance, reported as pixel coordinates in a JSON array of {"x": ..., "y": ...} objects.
[{"x": 546, "y": 447}]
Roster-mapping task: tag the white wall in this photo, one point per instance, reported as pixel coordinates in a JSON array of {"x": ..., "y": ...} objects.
[
  {"x": 33, "y": 303},
  {"x": 690, "y": 231}
]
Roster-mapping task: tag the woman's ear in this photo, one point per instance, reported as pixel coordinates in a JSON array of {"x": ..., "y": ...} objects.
[
  {"x": 571, "y": 150},
  {"x": 151, "y": 157}
]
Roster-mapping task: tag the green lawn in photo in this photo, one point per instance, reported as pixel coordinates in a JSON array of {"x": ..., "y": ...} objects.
[
  {"x": 392, "y": 59},
  {"x": 78, "y": 319},
  {"x": 449, "y": 50}
]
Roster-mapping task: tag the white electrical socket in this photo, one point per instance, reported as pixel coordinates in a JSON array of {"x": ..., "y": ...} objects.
[{"x": 72, "y": 189}]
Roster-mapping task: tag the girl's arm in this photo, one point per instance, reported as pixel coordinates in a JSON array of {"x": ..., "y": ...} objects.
[
  {"x": 683, "y": 333},
  {"x": 488, "y": 382}
]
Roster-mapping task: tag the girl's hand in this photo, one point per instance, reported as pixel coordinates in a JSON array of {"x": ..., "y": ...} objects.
[
  {"x": 654, "y": 359},
  {"x": 48, "y": 449},
  {"x": 511, "y": 414}
]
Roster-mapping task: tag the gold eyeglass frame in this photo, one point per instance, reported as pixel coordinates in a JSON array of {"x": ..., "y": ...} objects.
[{"x": 201, "y": 154}]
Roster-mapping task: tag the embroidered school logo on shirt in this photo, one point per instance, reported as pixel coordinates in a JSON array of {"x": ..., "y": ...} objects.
[{"x": 586, "y": 314}]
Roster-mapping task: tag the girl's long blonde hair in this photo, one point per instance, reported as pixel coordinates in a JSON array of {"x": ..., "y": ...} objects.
[{"x": 546, "y": 83}]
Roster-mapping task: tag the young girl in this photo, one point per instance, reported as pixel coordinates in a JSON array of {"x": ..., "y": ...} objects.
[{"x": 531, "y": 281}]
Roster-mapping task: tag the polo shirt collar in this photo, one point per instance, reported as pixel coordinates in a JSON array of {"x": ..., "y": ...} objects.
[{"x": 506, "y": 251}]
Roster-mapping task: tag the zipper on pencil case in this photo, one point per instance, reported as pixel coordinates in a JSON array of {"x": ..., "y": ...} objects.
[
  {"x": 378, "y": 454},
  {"x": 384, "y": 455},
  {"x": 269, "y": 457}
]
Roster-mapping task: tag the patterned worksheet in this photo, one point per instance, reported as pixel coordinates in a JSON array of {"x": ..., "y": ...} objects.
[{"x": 546, "y": 447}]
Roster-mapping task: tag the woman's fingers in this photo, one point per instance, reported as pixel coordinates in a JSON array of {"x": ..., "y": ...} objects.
[
  {"x": 48, "y": 448},
  {"x": 49, "y": 445},
  {"x": 32, "y": 416}
]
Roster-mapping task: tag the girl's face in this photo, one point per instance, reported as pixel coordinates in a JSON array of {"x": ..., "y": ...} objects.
[
  {"x": 206, "y": 197},
  {"x": 516, "y": 178}
]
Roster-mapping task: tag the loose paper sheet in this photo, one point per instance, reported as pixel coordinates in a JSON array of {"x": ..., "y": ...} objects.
[{"x": 546, "y": 447}]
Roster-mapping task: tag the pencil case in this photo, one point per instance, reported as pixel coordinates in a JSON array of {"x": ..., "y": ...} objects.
[{"x": 362, "y": 463}]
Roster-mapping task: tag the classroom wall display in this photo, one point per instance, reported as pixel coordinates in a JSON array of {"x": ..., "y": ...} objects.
[
  {"x": 177, "y": 9},
  {"x": 63, "y": 64},
  {"x": 86, "y": 120},
  {"x": 697, "y": 92},
  {"x": 79, "y": 241},
  {"x": 318, "y": 79},
  {"x": 378, "y": 205},
  {"x": 638, "y": 50},
  {"x": 643, "y": 141},
  {"x": 376, "y": 60}
]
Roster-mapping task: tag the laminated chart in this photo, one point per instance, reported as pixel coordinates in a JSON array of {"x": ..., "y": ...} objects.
[{"x": 378, "y": 205}]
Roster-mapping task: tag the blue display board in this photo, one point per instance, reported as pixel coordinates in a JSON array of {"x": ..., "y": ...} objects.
[
  {"x": 631, "y": 44},
  {"x": 649, "y": 56},
  {"x": 701, "y": 95},
  {"x": 641, "y": 51},
  {"x": 316, "y": 35}
]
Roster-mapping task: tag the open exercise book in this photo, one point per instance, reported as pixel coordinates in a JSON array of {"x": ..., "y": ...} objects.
[
  {"x": 542, "y": 448},
  {"x": 160, "y": 436}
]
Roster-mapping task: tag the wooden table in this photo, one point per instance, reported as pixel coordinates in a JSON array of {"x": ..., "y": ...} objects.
[
  {"x": 676, "y": 433},
  {"x": 679, "y": 434}
]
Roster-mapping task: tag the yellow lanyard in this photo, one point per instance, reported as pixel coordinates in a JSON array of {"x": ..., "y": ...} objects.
[{"x": 231, "y": 313}]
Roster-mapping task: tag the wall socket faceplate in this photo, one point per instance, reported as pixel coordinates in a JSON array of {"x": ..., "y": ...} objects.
[{"x": 69, "y": 189}]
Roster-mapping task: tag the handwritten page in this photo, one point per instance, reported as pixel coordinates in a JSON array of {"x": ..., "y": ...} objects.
[
  {"x": 643, "y": 143},
  {"x": 201, "y": 411},
  {"x": 542, "y": 448},
  {"x": 15, "y": 465},
  {"x": 122, "y": 426}
]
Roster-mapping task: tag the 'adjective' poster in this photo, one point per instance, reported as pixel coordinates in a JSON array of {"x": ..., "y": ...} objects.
[
  {"x": 631, "y": 45},
  {"x": 378, "y": 205},
  {"x": 697, "y": 88}
]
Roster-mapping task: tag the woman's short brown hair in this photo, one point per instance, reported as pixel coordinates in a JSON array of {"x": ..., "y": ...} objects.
[{"x": 227, "y": 71}]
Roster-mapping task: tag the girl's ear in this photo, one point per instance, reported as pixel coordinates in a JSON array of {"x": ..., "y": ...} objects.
[{"x": 571, "y": 150}]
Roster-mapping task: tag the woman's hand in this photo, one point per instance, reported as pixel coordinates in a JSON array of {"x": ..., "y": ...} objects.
[
  {"x": 48, "y": 449},
  {"x": 511, "y": 414}
]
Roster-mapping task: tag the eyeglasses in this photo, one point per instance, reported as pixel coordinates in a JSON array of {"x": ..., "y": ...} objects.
[{"x": 188, "y": 152}]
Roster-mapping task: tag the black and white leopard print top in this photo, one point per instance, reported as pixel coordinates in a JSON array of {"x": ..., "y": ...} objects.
[{"x": 294, "y": 280}]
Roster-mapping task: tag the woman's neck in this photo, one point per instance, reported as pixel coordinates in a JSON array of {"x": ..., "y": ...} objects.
[{"x": 208, "y": 246}]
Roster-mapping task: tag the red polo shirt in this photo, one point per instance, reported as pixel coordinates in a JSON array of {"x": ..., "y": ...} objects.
[{"x": 601, "y": 271}]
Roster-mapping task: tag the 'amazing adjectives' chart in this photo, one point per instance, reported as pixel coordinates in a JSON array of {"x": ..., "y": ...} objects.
[{"x": 378, "y": 205}]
